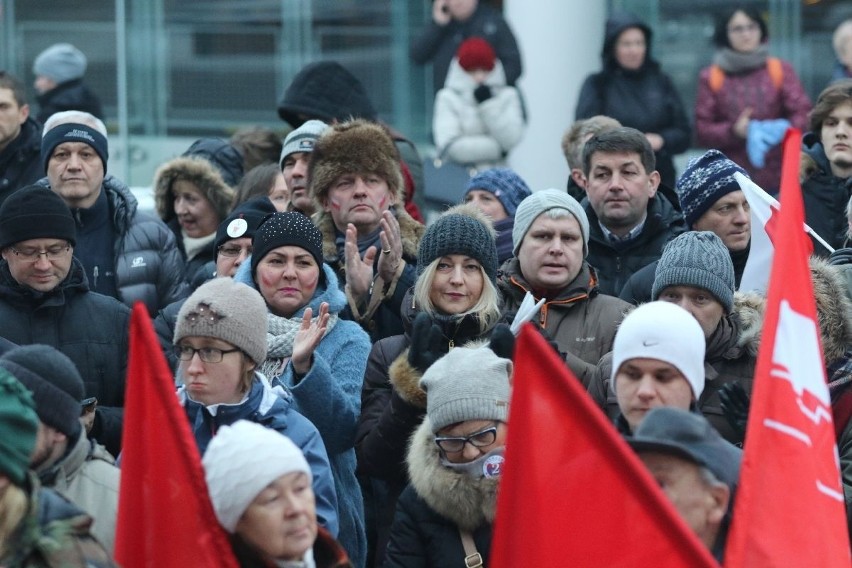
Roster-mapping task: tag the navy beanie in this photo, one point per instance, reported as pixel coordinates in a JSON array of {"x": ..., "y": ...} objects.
[
  {"x": 73, "y": 132},
  {"x": 35, "y": 212},
  {"x": 283, "y": 229},
  {"x": 706, "y": 180},
  {"x": 505, "y": 184},
  {"x": 243, "y": 220}
]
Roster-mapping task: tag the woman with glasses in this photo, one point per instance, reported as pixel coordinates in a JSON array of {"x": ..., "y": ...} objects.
[
  {"x": 312, "y": 353},
  {"x": 453, "y": 302},
  {"x": 746, "y": 99},
  {"x": 444, "y": 516},
  {"x": 220, "y": 339}
]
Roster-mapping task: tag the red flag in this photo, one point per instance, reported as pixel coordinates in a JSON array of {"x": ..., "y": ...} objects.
[
  {"x": 789, "y": 509},
  {"x": 572, "y": 491},
  {"x": 165, "y": 518}
]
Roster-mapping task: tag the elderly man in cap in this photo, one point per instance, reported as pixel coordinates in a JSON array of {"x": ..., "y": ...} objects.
[
  {"x": 64, "y": 458},
  {"x": 45, "y": 298},
  {"x": 550, "y": 238},
  {"x": 294, "y": 162},
  {"x": 696, "y": 469},
  {"x": 125, "y": 253}
]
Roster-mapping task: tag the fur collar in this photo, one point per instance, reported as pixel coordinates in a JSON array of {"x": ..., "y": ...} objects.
[
  {"x": 410, "y": 231},
  {"x": 202, "y": 174},
  {"x": 468, "y": 502}
]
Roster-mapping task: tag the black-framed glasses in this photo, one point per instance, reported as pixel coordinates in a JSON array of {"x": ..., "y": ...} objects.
[
  {"x": 455, "y": 444},
  {"x": 233, "y": 251},
  {"x": 206, "y": 354},
  {"x": 32, "y": 254}
]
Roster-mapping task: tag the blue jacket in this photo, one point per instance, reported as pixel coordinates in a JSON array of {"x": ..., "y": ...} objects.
[
  {"x": 273, "y": 409},
  {"x": 329, "y": 395}
]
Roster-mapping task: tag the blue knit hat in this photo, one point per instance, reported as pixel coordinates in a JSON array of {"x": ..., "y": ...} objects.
[
  {"x": 705, "y": 181},
  {"x": 505, "y": 184}
]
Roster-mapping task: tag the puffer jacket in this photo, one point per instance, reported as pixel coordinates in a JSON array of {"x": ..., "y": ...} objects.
[
  {"x": 272, "y": 408},
  {"x": 70, "y": 95},
  {"x": 432, "y": 509},
  {"x": 20, "y": 161},
  {"x": 825, "y": 196},
  {"x": 615, "y": 266},
  {"x": 470, "y": 132},
  {"x": 91, "y": 329},
  {"x": 579, "y": 319}
]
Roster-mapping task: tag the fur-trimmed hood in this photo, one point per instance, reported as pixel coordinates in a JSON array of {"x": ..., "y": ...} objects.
[
  {"x": 204, "y": 175},
  {"x": 469, "y": 503},
  {"x": 749, "y": 308},
  {"x": 410, "y": 232}
]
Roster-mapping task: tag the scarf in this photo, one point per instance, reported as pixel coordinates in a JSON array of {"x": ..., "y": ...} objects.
[
  {"x": 193, "y": 246},
  {"x": 280, "y": 334},
  {"x": 737, "y": 62},
  {"x": 364, "y": 243}
]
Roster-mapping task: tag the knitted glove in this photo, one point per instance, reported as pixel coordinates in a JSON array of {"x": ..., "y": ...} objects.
[
  {"x": 735, "y": 406},
  {"x": 502, "y": 341},
  {"x": 427, "y": 343},
  {"x": 482, "y": 93}
]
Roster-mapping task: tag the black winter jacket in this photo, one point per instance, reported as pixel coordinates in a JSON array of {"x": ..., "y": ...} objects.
[
  {"x": 70, "y": 95},
  {"x": 825, "y": 196},
  {"x": 91, "y": 329},
  {"x": 20, "y": 161}
]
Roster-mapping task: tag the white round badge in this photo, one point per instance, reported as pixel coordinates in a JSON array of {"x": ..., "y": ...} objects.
[{"x": 237, "y": 228}]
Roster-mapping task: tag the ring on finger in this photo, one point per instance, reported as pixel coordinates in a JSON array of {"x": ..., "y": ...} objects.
[{"x": 388, "y": 251}]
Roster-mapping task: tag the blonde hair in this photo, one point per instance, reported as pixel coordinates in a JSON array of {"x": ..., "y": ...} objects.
[
  {"x": 487, "y": 308},
  {"x": 13, "y": 509}
]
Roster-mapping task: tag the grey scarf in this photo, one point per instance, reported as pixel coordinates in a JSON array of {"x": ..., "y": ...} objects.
[
  {"x": 737, "y": 62},
  {"x": 280, "y": 334}
]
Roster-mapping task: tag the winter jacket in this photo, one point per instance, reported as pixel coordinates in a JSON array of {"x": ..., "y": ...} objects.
[
  {"x": 432, "y": 509},
  {"x": 89, "y": 328},
  {"x": 329, "y": 395},
  {"x": 439, "y": 44},
  {"x": 825, "y": 196},
  {"x": 579, "y": 319},
  {"x": 70, "y": 95},
  {"x": 717, "y": 111},
  {"x": 731, "y": 354},
  {"x": 55, "y": 533},
  {"x": 20, "y": 161},
  {"x": 386, "y": 321},
  {"x": 644, "y": 99},
  {"x": 148, "y": 264},
  {"x": 479, "y": 133},
  {"x": 327, "y": 553},
  {"x": 614, "y": 266},
  {"x": 87, "y": 476},
  {"x": 274, "y": 409}
]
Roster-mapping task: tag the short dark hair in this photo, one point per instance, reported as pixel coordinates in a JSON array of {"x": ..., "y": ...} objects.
[
  {"x": 620, "y": 140},
  {"x": 9, "y": 81},
  {"x": 720, "y": 34},
  {"x": 256, "y": 183},
  {"x": 829, "y": 99}
]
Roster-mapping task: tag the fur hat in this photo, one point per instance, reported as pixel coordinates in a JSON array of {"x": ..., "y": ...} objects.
[
  {"x": 224, "y": 309},
  {"x": 241, "y": 460},
  {"x": 506, "y": 185},
  {"x": 463, "y": 229},
  {"x": 476, "y": 53},
  {"x": 545, "y": 200},
  {"x": 201, "y": 173},
  {"x": 61, "y": 62},
  {"x": 354, "y": 147}
]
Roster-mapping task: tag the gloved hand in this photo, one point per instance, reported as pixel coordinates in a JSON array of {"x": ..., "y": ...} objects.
[
  {"x": 427, "y": 343},
  {"x": 482, "y": 93},
  {"x": 734, "y": 402},
  {"x": 502, "y": 341},
  {"x": 840, "y": 257},
  {"x": 763, "y": 135}
]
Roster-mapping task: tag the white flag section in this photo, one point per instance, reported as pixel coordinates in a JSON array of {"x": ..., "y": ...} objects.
[{"x": 759, "y": 264}]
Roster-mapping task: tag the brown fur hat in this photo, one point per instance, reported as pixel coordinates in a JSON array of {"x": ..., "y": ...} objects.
[
  {"x": 199, "y": 172},
  {"x": 354, "y": 147}
]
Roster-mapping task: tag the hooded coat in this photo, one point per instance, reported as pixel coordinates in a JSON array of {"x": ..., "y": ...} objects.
[
  {"x": 20, "y": 161},
  {"x": 432, "y": 509},
  {"x": 70, "y": 95},
  {"x": 825, "y": 195},
  {"x": 644, "y": 99}
]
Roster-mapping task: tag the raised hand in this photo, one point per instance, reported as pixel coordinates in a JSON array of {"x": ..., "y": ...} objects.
[
  {"x": 307, "y": 338},
  {"x": 391, "y": 254},
  {"x": 359, "y": 271}
]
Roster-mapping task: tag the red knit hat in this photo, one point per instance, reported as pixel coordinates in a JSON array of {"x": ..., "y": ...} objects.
[{"x": 476, "y": 53}]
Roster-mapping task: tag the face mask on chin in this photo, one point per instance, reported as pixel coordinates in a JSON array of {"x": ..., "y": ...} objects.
[{"x": 487, "y": 465}]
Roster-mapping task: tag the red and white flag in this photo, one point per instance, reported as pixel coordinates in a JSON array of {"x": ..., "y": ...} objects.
[{"x": 789, "y": 508}]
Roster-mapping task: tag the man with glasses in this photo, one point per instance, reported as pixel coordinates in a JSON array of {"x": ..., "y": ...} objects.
[
  {"x": 129, "y": 255},
  {"x": 45, "y": 298}
]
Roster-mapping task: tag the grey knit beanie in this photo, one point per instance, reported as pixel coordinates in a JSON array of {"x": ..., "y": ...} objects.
[
  {"x": 227, "y": 310},
  {"x": 462, "y": 229},
  {"x": 302, "y": 139},
  {"x": 700, "y": 259},
  {"x": 706, "y": 180},
  {"x": 541, "y": 201},
  {"x": 53, "y": 380},
  {"x": 468, "y": 383},
  {"x": 60, "y": 62}
]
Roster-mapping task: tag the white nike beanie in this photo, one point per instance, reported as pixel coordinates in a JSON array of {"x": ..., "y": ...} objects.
[{"x": 666, "y": 332}]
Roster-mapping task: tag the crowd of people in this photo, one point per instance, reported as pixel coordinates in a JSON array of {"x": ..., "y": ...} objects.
[{"x": 346, "y": 370}]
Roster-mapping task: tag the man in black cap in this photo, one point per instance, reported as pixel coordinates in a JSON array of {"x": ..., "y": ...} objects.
[
  {"x": 696, "y": 468},
  {"x": 45, "y": 298}
]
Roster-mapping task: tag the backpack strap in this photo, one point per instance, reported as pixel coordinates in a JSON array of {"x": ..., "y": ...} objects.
[
  {"x": 717, "y": 78},
  {"x": 472, "y": 559},
  {"x": 776, "y": 71}
]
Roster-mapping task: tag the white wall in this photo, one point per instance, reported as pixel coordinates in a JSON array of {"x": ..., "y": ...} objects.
[{"x": 560, "y": 42}]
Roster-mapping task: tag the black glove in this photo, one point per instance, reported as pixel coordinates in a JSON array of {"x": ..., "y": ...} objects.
[
  {"x": 841, "y": 257},
  {"x": 502, "y": 341},
  {"x": 482, "y": 93},
  {"x": 427, "y": 343},
  {"x": 734, "y": 402}
]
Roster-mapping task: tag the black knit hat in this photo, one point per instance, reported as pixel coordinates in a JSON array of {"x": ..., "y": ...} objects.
[
  {"x": 54, "y": 382},
  {"x": 244, "y": 220},
  {"x": 35, "y": 212},
  {"x": 462, "y": 229},
  {"x": 282, "y": 229}
]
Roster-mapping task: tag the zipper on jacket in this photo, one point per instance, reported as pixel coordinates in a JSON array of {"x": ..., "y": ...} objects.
[{"x": 95, "y": 277}]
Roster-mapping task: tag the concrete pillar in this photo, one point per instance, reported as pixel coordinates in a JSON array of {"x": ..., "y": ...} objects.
[{"x": 560, "y": 43}]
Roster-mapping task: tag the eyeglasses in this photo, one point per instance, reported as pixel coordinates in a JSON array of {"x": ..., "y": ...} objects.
[
  {"x": 206, "y": 354},
  {"x": 32, "y": 254},
  {"x": 479, "y": 439},
  {"x": 233, "y": 251},
  {"x": 743, "y": 29}
]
